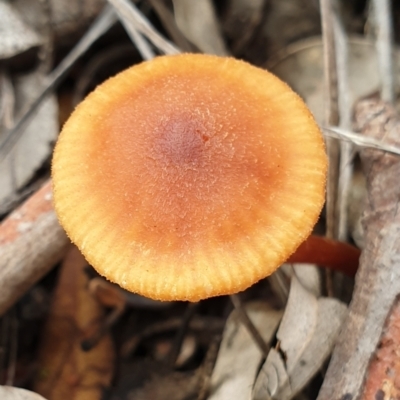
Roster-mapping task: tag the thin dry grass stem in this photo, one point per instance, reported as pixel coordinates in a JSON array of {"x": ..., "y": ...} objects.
[
  {"x": 280, "y": 284},
  {"x": 331, "y": 116},
  {"x": 89, "y": 343},
  {"x": 360, "y": 140},
  {"x": 168, "y": 20},
  {"x": 208, "y": 367},
  {"x": 246, "y": 321},
  {"x": 128, "y": 13},
  {"x": 7, "y": 109},
  {"x": 100, "y": 26},
  {"x": 104, "y": 58},
  {"x": 46, "y": 52},
  {"x": 138, "y": 40},
  {"x": 7, "y": 100},
  {"x": 345, "y": 114},
  {"x": 180, "y": 334},
  {"x": 382, "y": 21}
]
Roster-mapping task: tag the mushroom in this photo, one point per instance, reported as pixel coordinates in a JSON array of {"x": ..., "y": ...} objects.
[
  {"x": 189, "y": 176},
  {"x": 338, "y": 256}
]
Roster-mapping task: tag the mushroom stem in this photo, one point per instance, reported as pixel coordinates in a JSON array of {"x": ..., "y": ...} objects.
[{"x": 329, "y": 253}]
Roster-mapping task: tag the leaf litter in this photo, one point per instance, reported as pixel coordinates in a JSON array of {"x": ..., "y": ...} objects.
[{"x": 301, "y": 334}]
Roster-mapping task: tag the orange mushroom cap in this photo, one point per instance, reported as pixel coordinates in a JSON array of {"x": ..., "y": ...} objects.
[{"x": 189, "y": 176}]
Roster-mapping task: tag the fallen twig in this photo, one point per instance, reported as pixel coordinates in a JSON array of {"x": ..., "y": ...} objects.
[
  {"x": 378, "y": 279},
  {"x": 31, "y": 243}
]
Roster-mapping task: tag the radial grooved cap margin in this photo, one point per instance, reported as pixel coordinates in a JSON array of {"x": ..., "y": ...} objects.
[{"x": 189, "y": 176}]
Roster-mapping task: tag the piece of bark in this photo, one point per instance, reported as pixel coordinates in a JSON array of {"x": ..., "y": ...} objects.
[
  {"x": 383, "y": 379},
  {"x": 378, "y": 278},
  {"x": 31, "y": 243}
]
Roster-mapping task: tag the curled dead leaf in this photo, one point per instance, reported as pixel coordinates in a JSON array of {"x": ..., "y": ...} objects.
[
  {"x": 306, "y": 336},
  {"x": 66, "y": 371},
  {"x": 239, "y": 357}
]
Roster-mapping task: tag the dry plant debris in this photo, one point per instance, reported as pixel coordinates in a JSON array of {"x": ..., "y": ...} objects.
[
  {"x": 384, "y": 370},
  {"x": 16, "y": 36},
  {"x": 207, "y": 37},
  {"x": 66, "y": 371},
  {"x": 239, "y": 358},
  {"x": 168, "y": 349},
  {"x": 378, "y": 283},
  {"x": 67, "y": 19},
  {"x": 297, "y": 358},
  {"x": 13, "y": 393},
  {"x": 31, "y": 243},
  {"x": 17, "y": 91}
]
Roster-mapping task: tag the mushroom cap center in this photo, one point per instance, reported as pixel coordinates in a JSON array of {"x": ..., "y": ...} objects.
[{"x": 182, "y": 141}]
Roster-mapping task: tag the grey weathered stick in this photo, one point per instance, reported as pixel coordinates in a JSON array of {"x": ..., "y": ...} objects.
[
  {"x": 382, "y": 20},
  {"x": 129, "y": 12},
  {"x": 140, "y": 42},
  {"x": 31, "y": 243},
  {"x": 331, "y": 116},
  {"x": 378, "y": 278},
  {"x": 345, "y": 114}
]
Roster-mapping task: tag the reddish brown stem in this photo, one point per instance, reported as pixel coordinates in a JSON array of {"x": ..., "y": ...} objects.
[{"x": 329, "y": 253}]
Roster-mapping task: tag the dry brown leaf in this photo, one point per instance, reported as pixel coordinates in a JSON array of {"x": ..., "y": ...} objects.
[
  {"x": 66, "y": 371},
  {"x": 239, "y": 357},
  {"x": 306, "y": 336},
  {"x": 13, "y": 393},
  {"x": 198, "y": 22}
]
